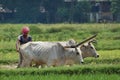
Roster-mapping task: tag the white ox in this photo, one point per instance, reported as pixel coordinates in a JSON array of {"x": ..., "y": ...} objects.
[
  {"x": 49, "y": 53},
  {"x": 87, "y": 50}
]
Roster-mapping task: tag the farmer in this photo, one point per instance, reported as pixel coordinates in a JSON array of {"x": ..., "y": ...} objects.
[{"x": 22, "y": 39}]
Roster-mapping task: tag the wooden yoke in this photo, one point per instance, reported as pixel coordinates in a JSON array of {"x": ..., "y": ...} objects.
[{"x": 86, "y": 40}]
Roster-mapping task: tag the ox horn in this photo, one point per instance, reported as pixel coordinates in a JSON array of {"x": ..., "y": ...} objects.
[{"x": 86, "y": 40}]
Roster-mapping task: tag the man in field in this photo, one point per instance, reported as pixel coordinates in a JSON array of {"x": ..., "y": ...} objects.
[{"x": 22, "y": 39}]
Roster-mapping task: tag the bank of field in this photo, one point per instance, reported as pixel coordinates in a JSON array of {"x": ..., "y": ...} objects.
[{"x": 106, "y": 67}]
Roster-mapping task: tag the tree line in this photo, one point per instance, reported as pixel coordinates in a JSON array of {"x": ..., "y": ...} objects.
[{"x": 50, "y": 11}]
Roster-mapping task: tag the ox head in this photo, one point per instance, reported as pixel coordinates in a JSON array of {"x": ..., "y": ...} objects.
[
  {"x": 74, "y": 52},
  {"x": 88, "y": 50}
]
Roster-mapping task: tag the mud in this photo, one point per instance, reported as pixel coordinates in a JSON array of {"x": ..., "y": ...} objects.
[{"x": 10, "y": 66}]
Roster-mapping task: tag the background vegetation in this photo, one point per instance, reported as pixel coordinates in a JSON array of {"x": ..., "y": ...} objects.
[
  {"x": 107, "y": 66},
  {"x": 56, "y": 11}
]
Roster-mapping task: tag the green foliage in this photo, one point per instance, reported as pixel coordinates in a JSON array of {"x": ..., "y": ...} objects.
[
  {"x": 116, "y": 6},
  {"x": 26, "y": 12},
  {"x": 62, "y": 14},
  {"x": 116, "y": 9},
  {"x": 55, "y": 11},
  {"x": 81, "y": 12}
]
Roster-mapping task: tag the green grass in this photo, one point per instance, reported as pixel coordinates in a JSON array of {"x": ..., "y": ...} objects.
[
  {"x": 63, "y": 77},
  {"x": 106, "y": 57},
  {"x": 9, "y": 57},
  {"x": 76, "y": 69}
]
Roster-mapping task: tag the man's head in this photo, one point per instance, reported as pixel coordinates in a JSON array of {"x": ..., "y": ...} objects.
[{"x": 25, "y": 30}]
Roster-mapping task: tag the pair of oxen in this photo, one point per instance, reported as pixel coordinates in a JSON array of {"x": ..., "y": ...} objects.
[{"x": 56, "y": 53}]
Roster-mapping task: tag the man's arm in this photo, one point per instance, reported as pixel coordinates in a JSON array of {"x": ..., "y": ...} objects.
[{"x": 17, "y": 45}]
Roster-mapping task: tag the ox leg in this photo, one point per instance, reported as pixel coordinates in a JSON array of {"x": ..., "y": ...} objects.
[
  {"x": 49, "y": 63},
  {"x": 59, "y": 62},
  {"x": 42, "y": 66},
  {"x": 26, "y": 63},
  {"x": 55, "y": 63},
  {"x": 36, "y": 65}
]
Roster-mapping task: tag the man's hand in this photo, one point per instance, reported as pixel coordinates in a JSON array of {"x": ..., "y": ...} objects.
[{"x": 17, "y": 50}]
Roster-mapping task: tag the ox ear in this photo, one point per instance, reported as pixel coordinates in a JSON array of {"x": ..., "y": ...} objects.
[{"x": 72, "y": 42}]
